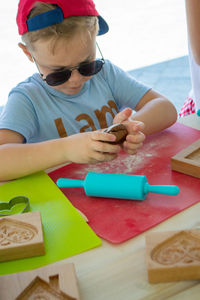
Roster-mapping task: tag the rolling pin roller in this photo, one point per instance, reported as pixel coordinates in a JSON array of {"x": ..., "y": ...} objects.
[{"x": 121, "y": 186}]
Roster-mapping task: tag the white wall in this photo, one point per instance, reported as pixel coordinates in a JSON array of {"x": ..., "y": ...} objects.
[{"x": 142, "y": 32}]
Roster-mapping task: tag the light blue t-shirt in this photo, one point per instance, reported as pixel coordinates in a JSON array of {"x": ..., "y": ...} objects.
[{"x": 39, "y": 112}]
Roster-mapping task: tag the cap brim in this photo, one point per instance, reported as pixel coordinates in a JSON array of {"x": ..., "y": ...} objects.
[{"x": 103, "y": 26}]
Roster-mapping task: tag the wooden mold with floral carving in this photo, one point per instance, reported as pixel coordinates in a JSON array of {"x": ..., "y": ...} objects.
[
  {"x": 173, "y": 256},
  {"x": 21, "y": 236}
]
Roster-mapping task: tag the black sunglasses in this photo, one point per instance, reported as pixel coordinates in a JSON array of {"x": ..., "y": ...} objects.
[{"x": 87, "y": 69}]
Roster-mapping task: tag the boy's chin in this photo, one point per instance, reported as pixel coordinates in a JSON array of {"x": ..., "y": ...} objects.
[{"x": 69, "y": 90}]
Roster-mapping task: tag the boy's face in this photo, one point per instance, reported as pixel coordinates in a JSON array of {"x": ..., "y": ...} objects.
[{"x": 67, "y": 54}]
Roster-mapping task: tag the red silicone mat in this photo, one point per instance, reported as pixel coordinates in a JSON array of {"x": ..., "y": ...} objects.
[{"x": 117, "y": 220}]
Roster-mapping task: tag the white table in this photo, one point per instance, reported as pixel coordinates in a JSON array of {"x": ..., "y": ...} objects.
[{"x": 118, "y": 272}]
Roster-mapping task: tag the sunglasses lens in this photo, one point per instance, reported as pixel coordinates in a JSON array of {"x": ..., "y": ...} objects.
[
  {"x": 91, "y": 68},
  {"x": 58, "y": 78}
]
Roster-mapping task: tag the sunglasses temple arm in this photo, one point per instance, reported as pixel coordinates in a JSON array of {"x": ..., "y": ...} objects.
[
  {"x": 41, "y": 75},
  {"x": 100, "y": 51}
]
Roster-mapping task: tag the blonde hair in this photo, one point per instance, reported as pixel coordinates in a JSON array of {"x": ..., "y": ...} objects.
[{"x": 64, "y": 30}]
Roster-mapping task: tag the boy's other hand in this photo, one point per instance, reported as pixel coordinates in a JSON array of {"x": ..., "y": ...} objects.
[
  {"x": 90, "y": 147},
  {"x": 135, "y": 137}
]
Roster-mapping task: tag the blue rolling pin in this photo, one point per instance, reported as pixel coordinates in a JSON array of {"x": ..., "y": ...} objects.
[{"x": 122, "y": 186}]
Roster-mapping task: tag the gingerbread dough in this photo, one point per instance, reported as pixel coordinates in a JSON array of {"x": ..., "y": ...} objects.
[{"x": 119, "y": 130}]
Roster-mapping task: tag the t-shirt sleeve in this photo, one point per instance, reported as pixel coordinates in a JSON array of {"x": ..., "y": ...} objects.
[
  {"x": 18, "y": 115},
  {"x": 127, "y": 91}
]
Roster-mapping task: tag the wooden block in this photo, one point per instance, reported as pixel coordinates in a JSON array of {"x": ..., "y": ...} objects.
[
  {"x": 173, "y": 256},
  {"x": 188, "y": 160},
  {"x": 49, "y": 282},
  {"x": 21, "y": 236}
]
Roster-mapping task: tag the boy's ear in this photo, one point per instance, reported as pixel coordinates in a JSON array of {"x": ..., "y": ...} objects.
[{"x": 26, "y": 52}]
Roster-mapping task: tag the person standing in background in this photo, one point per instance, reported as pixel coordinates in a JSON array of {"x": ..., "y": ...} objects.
[{"x": 192, "y": 103}]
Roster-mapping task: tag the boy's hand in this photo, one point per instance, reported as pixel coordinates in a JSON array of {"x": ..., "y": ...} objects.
[
  {"x": 135, "y": 137},
  {"x": 90, "y": 147}
]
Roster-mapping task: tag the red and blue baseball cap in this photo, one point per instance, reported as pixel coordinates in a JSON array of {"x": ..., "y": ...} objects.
[{"x": 64, "y": 9}]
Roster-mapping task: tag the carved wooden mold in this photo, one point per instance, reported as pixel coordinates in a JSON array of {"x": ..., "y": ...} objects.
[
  {"x": 173, "y": 256},
  {"x": 53, "y": 282},
  {"x": 40, "y": 289},
  {"x": 21, "y": 236},
  {"x": 188, "y": 160}
]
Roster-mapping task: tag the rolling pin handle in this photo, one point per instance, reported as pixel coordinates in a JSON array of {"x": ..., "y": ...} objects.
[
  {"x": 161, "y": 189},
  {"x": 69, "y": 183}
]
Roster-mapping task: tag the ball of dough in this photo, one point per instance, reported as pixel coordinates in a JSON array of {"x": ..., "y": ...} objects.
[{"x": 119, "y": 130}]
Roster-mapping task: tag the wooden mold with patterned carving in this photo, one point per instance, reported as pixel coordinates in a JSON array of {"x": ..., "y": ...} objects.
[
  {"x": 52, "y": 282},
  {"x": 173, "y": 256},
  {"x": 21, "y": 236}
]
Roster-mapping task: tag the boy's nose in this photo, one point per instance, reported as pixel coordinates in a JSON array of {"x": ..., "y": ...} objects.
[{"x": 75, "y": 76}]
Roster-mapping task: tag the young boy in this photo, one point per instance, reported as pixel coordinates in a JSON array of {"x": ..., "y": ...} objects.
[{"x": 56, "y": 116}]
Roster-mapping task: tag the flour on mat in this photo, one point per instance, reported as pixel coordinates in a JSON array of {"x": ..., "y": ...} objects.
[{"x": 124, "y": 163}]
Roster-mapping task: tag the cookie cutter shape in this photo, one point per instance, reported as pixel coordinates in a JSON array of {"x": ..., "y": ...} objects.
[{"x": 16, "y": 200}]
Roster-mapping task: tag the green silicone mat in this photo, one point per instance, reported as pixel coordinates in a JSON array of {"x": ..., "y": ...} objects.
[{"x": 65, "y": 231}]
